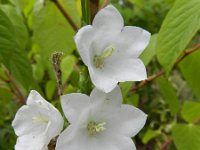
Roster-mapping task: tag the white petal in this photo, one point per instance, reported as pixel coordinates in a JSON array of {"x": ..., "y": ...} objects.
[
  {"x": 26, "y": 118},
  {"x": 73, "y": 105},
  {"x": 129, "y": 121},
  {"x": 35, "y": 98},
  {"x": 113, "y": 98},
  {"x": 83, "y": 40},
  {"x": 102, "y": 80},
  {"x": 121, "y": 142},
  {"x": 108, "y": 19},
  {"x": 71, "y": 140},
  {"x": 129, "y": 69},
  {"x": 81, "y": 140},
  {"x": 29, "y": 142},
  {"x": 132, "y": 41},
  {"x": 23, "y": 121}
]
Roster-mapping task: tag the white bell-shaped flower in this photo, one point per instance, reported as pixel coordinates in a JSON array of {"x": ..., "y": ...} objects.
[
  {"x": 111, "y": 50},
  {"x": 36, "y": 123},
  {"x": 99, "y": 122}
]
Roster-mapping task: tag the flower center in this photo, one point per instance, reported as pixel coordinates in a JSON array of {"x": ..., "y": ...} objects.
[
  {"x": 94, "y": 128},
  {"x": 40, "y": 119},
  {"x": 99, "y": 59}
]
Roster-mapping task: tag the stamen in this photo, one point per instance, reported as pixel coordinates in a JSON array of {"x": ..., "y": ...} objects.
[
  {"x": 94, "y": 128},
  {"x": 40, "y": 119},
  {"x": 99, "y": 59}
]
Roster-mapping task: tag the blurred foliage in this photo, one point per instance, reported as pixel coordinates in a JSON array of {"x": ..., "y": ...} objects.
[{"x": 32, "y": 30}]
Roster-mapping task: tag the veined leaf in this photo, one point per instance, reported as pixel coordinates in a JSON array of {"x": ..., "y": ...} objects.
[
  {"x": 178, "y": 28},
  {"x": 191, "y": 72},
  {"x": 12, "y": 53},
  {"x": 52, "y": 32},
  {"x": 186, "y": 136},
  {"x": 190, "y": 111}
]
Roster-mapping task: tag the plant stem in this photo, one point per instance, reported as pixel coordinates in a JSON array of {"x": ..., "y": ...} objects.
[
  {"x": 16, "y": 89},
  {"x": 161, "y": 72},
  {"x": 94, "y": 5},
  {"x": 65, "y": 14},
  {"x": 85, "y": 6},
  {"x": 105, "y": 2},
  {"x": 58, "y": 73}
]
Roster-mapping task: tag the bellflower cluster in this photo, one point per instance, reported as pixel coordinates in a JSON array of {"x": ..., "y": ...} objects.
[{"x": 99, "y": 121}]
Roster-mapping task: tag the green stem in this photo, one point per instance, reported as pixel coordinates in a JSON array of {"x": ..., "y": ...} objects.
[{"x": 85, "y": 5}]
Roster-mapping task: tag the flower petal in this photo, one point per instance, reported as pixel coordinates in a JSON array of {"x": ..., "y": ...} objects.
[
  {"x": 113, "y": 98},
  {"x": 126, "y": 70},
  {"x": 23, "y": 121},
  {"x": 73, "y": 104},
  {"x": 129, "y": 121},
  {"x": 121, "y": 142},
  {"x": 83, "y": 40},
  {"x": 30, "y": 142},
  {"x": 108, "y": 18},
  {"x": 132, "y": 41},
  {"x": 102, "y": 80},
  {"x": 38, "y": 117},
  {"x": 71, "y": 140}
]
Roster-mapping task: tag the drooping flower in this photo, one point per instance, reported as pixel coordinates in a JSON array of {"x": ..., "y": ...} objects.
[
  {"x": 99, "y": 122},
  {"x": 111, "y": 50},
  {"x": 36, "y": 123}
]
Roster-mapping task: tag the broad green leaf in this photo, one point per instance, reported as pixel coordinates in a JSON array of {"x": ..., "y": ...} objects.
[
  {"x": 169, "y": 94},
  {"x": 67, "y": 65},
  {"x": 12, "y": 55},
  {"x": 186, "y": 136},
  {"x": 190, "y": 69},
  {"x": 21, "y": 33},
  {"x": 191, "y": 111},
  {"x": 52, "y": 32},
  {"x": 38, "y": 70},
  {"x": 150, "y": 134},
  {"x": 50, "y": 89},
  {"x": 178, "y": 28},
  {"x": 149, "y": 51},
  {"x": 25, "y": 6}
]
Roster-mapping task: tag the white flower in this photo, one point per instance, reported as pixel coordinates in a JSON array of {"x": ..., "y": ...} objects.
[
  {"x": 111, "y": 50},
  {"x": 36, "y": 123},
  {"x": 99, "y": 122}
]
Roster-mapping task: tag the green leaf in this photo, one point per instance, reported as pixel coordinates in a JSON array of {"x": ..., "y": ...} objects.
[
  {"x": 186, "y": 137},
  {"x": 190, "y": 69},
  {"x": 12, "y": 53},
  {"x": 52, "y": 32},
  {"x": 149, "y": 51},
  {"x": 169, "y": 94},
  {"x": 178, "y": 28},
  {"x": 150, "y": 134},
  {"x": 190, "y": 111},
  {"x": 17, "y": 20},
  {"x": 50, "y": 89},
  {"x": 67, "y": 65}
]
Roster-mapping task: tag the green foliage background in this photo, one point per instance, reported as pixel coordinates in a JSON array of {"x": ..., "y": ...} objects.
[{"x": 32, "y": 30}]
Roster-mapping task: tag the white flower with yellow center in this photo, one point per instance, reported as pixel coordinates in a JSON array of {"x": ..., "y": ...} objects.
[
  {"x": 99, "y": 122},
  {"x": 111, "y": 50},
  {"x": 36, "y": 123}
]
